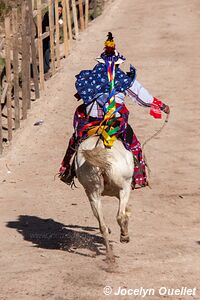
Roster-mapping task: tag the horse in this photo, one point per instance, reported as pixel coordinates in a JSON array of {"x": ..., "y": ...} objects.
[{"x": 106, "y": 172}]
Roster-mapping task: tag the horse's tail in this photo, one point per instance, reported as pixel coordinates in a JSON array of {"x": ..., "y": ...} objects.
[{"x": 97, "y": 157}]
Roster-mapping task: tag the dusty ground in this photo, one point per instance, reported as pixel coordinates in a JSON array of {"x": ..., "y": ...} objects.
[{"x": 50, "y": 245}]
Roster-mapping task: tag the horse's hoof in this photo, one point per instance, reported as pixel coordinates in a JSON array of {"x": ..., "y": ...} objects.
[
  {"x": 109, "y": 230},
  {"x": 124, "y": 239}
]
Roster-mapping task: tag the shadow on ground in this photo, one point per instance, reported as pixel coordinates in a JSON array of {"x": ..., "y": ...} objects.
[{"x": 49, "y": 234}]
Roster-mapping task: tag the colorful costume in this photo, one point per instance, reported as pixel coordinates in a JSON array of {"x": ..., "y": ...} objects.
[{"x": 103, "y": 90}]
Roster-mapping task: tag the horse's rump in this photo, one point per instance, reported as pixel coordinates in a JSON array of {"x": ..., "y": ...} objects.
[
  {"x": 95, "y": 163},
  {"x": 97, "y": 157}
]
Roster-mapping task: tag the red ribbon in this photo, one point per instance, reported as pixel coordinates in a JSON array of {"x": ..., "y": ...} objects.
[{"x": 88, "y": 125}]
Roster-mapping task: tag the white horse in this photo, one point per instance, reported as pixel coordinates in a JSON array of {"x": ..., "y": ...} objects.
[{"x": 104, "y": 171}]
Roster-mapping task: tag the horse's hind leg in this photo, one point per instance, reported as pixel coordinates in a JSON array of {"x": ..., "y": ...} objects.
[
  {"x": 123, "y": 215},
  {"x": 95, "y": 202}
]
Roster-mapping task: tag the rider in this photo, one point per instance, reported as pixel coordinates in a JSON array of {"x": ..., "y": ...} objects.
[{"x": 93, "y": 88}]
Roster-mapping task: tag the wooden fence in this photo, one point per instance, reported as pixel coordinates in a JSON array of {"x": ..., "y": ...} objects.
[{"x": 22, "y": 47}]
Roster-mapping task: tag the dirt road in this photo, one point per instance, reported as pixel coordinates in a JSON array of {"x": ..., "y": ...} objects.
[{"x": 50, "y": 245}]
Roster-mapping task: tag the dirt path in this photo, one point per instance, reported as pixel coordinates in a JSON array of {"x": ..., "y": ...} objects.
[{"x": 50, "y": 244}]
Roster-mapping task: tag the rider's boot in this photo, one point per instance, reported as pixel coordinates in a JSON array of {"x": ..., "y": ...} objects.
[{"x": 67, "y": 170}]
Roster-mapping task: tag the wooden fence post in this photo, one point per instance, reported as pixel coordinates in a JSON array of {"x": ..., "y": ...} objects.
[
  {"x": 33, "y": 4},
  {"x": 82, "y": 25},
  {"x": 8, "y": 77},
  {"x": 40, "y": 44},
  {"x": 57, "y": 35},
  {"x": 69, "y": 21},
  {"x": 86, "y": 13},
  {"x": 66, "y": 44},
  {"x": 16, "y": 66},
  {"x": 33, "y": 52},
  {"x": 51, "y": 33},
  {"x": 28, "y": 65},
  {"x": 75, "y": 18},
  {"x": 25, "y": 61}
]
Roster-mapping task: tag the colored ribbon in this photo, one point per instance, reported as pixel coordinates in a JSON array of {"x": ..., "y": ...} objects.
[{"x": 109, "y": 132}]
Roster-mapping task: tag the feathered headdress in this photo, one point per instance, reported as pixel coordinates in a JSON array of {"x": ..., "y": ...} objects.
[
  {"x": 110, "y": 52},
  {"x": 109, "y": 45}
]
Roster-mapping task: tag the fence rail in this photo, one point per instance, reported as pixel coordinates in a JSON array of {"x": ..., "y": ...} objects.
[{"x": 23, "y": 50}]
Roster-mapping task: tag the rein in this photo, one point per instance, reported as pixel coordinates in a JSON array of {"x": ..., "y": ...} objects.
[
  {"x": 152, "y": 137},
  {"x": 157, "y": 132}
]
